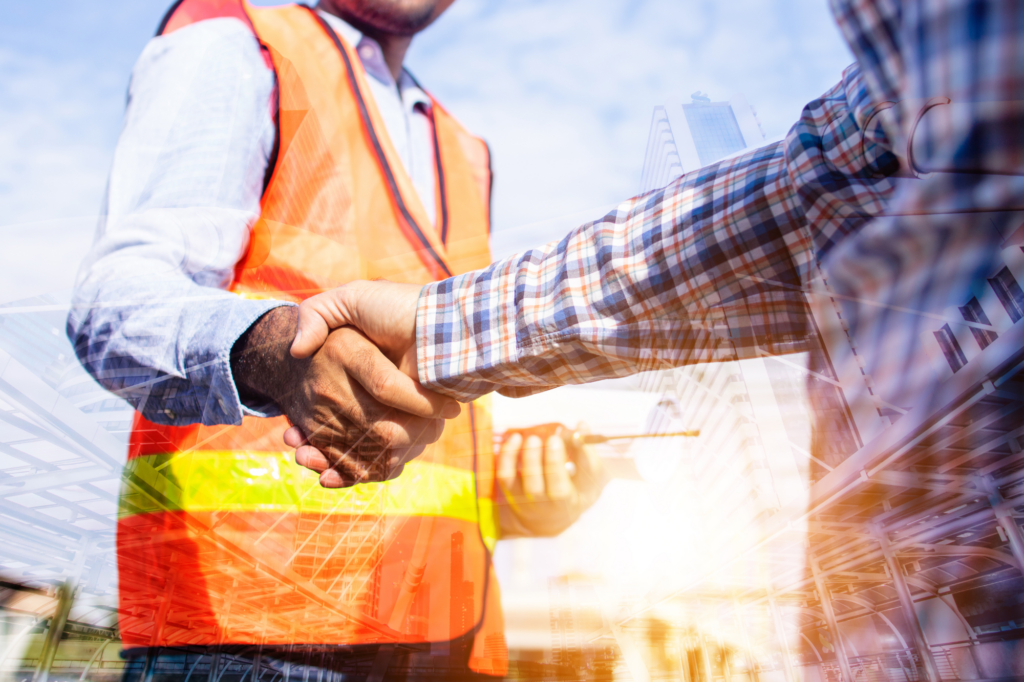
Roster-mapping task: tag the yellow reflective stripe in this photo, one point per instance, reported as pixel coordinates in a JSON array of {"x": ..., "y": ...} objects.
[
  {"x": 261, "y": 296},
  {"x": 488, "y": 522},
  {"x": 210, "y": 480}
]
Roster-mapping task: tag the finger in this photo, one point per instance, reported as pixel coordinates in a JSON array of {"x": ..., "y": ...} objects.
[
  {"x": 556, "y": 476},
  {"x": 294, "y": 437},
  {"x": 364, "y": 428},
  {"x": 345, "y": 471},
  {"x": 407, "y": 364},
  {"x": 406, "y": 455},
  {"x": 422, "y": 433},
  {"x": 508, "y": 459},
  {"x": 311, "y": 458},
  {"x": 531, "y": 467},
  {"x": 362, "y": 458},
  {"x": 365, "y": 363},
  {"x": 590, "y": 478},
  {"x": 318, "y": 315},
  {"x": 387, "y": 426},
  {"x": 332, "y": 478}
]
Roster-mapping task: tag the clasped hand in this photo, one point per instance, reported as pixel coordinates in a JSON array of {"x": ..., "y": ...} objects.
[
  {"x": 381, "y": 315},
  {"x": 539, "y": 496}
]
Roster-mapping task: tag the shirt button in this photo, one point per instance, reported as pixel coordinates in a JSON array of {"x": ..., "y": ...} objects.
[{"x": 366, "y": 52}]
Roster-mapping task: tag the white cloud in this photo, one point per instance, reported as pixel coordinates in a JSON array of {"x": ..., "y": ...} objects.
[
  {"x": 56, "y": 150},
  {"x": 564, "y": 91}
]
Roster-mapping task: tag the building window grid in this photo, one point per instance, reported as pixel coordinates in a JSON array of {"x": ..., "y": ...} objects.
[
  {"x": 951, "y": 348},
  {"x": 1009, "y": 293},
  {"x": 714, "y": 129},
  {"x": 973, "y": 312}
]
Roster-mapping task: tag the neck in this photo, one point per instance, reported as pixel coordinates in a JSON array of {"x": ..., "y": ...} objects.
[
  {"x": 394, "y": 49},
  {"x": 393, "y": 45}
]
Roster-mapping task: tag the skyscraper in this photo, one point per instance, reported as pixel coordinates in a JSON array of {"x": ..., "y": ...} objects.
[
  {"x": 715, "y": 130},
  {"x": 686, "y": 136}
]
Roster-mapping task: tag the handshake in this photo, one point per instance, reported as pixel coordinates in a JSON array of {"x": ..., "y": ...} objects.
[
  {"x": 342, "y": 366},
  {"x": 370, "y": 329}
]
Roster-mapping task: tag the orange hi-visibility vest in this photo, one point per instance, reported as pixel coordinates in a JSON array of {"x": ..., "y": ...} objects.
[{"x": 223, "y": 540}]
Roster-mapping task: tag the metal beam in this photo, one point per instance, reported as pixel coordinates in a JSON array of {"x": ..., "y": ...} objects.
[
  {"x": 871, "y": 608},
  {"x": 16, "y": 640},
  {"x": 928, "y": 550},
  {"x": 830, "y": 619},
  {"x": 54, "y": 479},
  {"x": 931, "y": 670},
  {"x": 747, "y": 649},
  {"x": 909, "y": 479},
  {"x": 780, "y": 635},
  {"x": 65, "y": 597},
  {"x": 1004, "y": 517},
  {"x": 96, "y": 656},
  {"x": 953, "y": 397}
]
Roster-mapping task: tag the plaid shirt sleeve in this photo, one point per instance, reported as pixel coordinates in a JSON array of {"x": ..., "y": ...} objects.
[{"x": 707, "y": 268}]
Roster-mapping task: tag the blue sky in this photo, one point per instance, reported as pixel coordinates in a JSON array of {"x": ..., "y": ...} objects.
[{"x": 562, "y": 89}]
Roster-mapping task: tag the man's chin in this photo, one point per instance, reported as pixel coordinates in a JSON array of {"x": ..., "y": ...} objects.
[{"x": 384, "y": 16}]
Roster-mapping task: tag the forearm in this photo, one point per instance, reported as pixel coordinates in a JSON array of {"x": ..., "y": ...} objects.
[
  {"x": 652, "y": 284},
  {"x": 712, "y": 267},
  {"x": 164, "y": 346},
  {"x": 151, "y": 319},
  {"x": 261, "y": 363}
]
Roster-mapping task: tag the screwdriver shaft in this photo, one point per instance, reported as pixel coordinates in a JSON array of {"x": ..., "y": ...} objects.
[{"x": 593, "y": 438}]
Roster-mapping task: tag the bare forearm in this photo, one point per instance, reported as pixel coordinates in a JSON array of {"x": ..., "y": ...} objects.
[{"x": 260, "y": 362}]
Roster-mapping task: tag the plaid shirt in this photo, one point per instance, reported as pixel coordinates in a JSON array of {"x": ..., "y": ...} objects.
[{"x": 717, "y": 265}]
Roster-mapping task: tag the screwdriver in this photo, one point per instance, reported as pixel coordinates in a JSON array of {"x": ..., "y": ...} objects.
[{"x": 576, "y": 438}]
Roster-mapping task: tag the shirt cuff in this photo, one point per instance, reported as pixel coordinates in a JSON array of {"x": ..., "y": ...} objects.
[
  {"x": 223, "y": 403},
  {"x": 466, "y": 332}
]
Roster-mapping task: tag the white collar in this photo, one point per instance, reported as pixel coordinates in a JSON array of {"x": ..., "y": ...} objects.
[{"x": 372, "y": 58}]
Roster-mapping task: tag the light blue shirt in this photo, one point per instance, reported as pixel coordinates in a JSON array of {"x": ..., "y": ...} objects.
[{"x": 151, "y": 318}]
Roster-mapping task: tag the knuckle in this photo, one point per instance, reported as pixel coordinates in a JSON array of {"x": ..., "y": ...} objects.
[
  {"x": 387, "y": 432},
  {"x": 358, "y": 355},
  {"x": 433, "y": 431},
  {"x": 382, "y": 382},
  {"x": 318, "y": 387}
]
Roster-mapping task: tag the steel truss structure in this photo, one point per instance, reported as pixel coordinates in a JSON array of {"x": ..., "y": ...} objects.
[
  {"x": 62, "y": 444},
  {"x": 904, "y": 564}
]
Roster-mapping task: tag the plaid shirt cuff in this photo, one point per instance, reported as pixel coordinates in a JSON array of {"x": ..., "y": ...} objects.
[{"x": 466, "y": 331}]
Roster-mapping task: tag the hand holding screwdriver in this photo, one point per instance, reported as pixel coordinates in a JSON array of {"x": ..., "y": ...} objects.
[
  {"x": 540, "y": 495},
  {"x": 575, "y": 439}
]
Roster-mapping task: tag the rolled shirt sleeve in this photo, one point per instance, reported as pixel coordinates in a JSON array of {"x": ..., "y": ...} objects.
[
  {"x": 711, "y": 267},
  {"x": 151, "y": 319}
]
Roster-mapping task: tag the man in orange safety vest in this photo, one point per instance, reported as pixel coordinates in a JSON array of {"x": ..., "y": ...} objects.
[{"x": 269, "y": 154}]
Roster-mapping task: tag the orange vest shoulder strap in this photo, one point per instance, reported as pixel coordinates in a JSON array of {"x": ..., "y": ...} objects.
[
  {"x": 449, "y": 131},
  {"x": 185, "y": 12}
]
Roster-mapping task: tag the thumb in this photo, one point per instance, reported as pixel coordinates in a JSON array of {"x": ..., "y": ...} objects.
[
  {"x": 318, "y": 315},
  {"x": 591, "y": 476}
]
